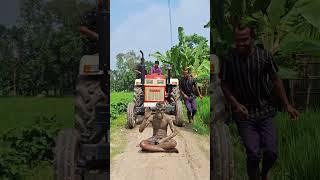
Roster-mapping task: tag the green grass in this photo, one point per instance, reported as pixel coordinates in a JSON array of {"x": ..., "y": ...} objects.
[
  {"x": 202, "y": 118},
  {"x": 43, "y": 171},
  {"x": 117, "y": 137},
  {"x": 21, "y": 111},
  {"x": 17, "y": 112},
  {"x": 299, "y": 156},
  {"x": 117, "y": 126},
  {"x": 119, "y": 96}
]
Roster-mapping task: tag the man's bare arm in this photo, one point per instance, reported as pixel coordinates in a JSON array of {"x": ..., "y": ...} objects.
[
  {"x": 87, "y": 32},
  {"x": 145, "y": 123},
  {"x": 198, "y": 91},
  {"x": 228, "y": 95},
  {"x": 277, "y": 82},
  {"x": 282, "y": 94},
  {"x": 173, "y": 130},
  {"x": 137, "y": 71},
  {"x": 183, "y": 94},
  {"x": 238, "y": 108}
]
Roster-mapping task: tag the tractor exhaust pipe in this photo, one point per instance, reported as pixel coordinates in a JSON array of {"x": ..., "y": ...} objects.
[
  {"x": 143, "y": 73},
  {"x": 168, "y": 89}
]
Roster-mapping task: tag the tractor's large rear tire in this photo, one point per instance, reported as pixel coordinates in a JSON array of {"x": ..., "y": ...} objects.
[
  {"x": 178, "y": 118},
  {"x": 66, "y": 155},
  {"x": 221, "y": 147},
  {"x": 221, "y": 152},
  {"x": 131, "y": 118},
  {"x": 88, "y": 95},
  {"x": 138, "y": 96}
]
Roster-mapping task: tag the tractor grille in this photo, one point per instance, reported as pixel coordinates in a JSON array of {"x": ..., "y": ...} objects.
[{"x": 154, "y": 94}]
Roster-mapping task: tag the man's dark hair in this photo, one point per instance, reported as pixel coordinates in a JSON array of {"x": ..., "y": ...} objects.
[
  {"x": 157, "y": 62},
  {"x": 242, "y": 27}
]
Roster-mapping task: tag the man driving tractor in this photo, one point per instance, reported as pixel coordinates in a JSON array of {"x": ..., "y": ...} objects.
[{"x": 156, "y": 69}]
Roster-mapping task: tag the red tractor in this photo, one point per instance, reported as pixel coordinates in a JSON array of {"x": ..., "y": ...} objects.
[{"x": 151, "y": 89}]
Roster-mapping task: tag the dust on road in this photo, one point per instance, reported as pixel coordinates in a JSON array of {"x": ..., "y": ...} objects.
[{"x": 191, "y": 163}]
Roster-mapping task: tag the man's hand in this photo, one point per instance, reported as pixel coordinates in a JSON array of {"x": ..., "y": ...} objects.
[
  {"x": 185, "y": 97},
  {"x": 242, "y": 111},
  {"x": 147, "y": 114},
  {"x": 201, "y": 97},
  {"x": 293, "y": 113},
  {"x": 159, "y": 141}
]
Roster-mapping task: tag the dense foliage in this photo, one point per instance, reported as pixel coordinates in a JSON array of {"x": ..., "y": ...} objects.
[
  {"x": 283, "y": 27},
  {"x": 191, "y": 52},
  {"x": 25, "y": 148},
  {"x": 41, "y": 53},
  {"x": 123, "y": 76}
]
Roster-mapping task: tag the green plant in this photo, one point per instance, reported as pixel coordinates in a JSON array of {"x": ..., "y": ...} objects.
[
  {"x": 24, "y": 148},
  {"x": 202, "y": 118},
  {"x": 117, "y": 108},
  {"x": 191, "y": 52}
]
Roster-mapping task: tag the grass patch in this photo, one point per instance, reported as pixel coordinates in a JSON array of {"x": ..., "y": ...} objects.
[
  {"x": 118, "y": 123},
  {"x": 21, "y": 111},
  {"x": 117, "y": 137},
  {"x": 43, "y": 171},
  {"x": 299, "y": 157},
  {"x": 202, "y": 118},
  {"x": 121, "y": 96}
]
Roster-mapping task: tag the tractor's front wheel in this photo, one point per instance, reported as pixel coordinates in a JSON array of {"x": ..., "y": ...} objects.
[
  {"x": 178, "y": 118},
  {"x": 66, "y": 154},
  {"x": 131, "y": 118}
]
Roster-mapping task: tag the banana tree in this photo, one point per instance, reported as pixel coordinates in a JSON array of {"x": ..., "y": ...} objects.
[{"x": 183, "y": 55}]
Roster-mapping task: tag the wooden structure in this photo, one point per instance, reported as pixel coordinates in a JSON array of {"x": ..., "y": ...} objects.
[{"x": 304, "y": 92}]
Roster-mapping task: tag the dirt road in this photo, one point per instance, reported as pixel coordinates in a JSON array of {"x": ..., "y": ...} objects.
[{"x": 191, "y": 163}]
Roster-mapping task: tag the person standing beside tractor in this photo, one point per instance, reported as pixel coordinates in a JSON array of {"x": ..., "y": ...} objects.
[
  {"x": 187, "y": 86},
  {"x": 156, "y": 69},
  {"x": 248, "y": 78}
]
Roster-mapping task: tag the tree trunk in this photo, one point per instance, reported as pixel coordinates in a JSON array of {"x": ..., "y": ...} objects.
[{"x": 14, "y": 81}]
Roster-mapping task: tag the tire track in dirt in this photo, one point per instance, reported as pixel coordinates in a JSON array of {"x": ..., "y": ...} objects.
[{"x": 191, "y": 163}]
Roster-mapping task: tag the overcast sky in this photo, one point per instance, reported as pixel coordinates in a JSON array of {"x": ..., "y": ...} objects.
[{"x": 140, "y": 24}]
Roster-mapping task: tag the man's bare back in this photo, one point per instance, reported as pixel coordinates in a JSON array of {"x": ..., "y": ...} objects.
[{"x": 159, "y": 142}]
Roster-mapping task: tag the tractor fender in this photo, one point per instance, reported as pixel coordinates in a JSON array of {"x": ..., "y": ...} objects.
[{"x": 89, "y": 65}]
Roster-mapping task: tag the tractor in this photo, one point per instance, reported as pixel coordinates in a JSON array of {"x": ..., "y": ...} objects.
[
  {"x": 82, "y": 152},
  {"x": 151, "y": 89}
]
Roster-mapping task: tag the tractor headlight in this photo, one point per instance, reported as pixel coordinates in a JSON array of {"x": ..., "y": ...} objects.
[{"x": 90, "y": 68}]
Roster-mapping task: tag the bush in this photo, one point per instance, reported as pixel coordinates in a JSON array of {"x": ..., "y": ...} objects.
[
  {"x": 117, "y": 108},
  {"x": 24, "y": 148}
]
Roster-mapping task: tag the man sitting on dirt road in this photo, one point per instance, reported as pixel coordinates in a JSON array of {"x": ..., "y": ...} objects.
[
  {"x": 156, "y": 69},
  {"x": 187, "y": 85},
  {"x": 159, "y": 142}
]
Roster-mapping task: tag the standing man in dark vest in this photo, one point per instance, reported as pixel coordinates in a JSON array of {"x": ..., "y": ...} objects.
[
  {"x": 248, "y": 78},
  {"x": 187, "y": 86}
]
